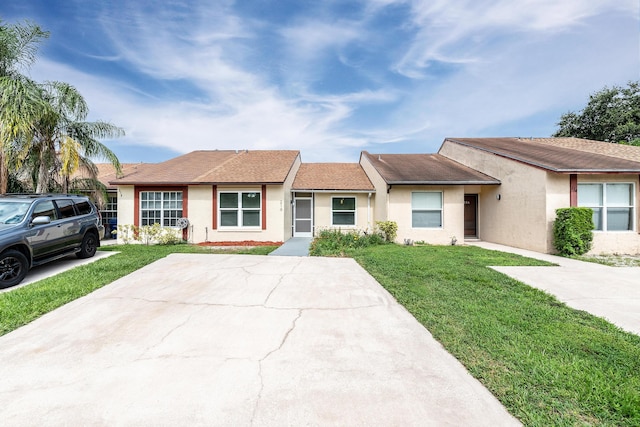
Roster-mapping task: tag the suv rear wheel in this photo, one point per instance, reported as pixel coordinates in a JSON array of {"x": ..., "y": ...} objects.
[
  {"x": 89, "y": 245},
  {"x": 13, "y": 267}
]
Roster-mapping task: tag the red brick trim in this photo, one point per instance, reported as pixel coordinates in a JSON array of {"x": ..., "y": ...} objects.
[
  {"x": 264, "y": 207},
  {"x": 185, "y": 202},
  {"x": 573, "y": 190},
  {"x": 215, "y": 208}
]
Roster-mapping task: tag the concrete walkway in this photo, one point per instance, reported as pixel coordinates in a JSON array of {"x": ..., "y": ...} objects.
[
  {"x": 609, "y": 292},
  {"x": 296, "y": 246},
  {"x": 204, "y": 340}
]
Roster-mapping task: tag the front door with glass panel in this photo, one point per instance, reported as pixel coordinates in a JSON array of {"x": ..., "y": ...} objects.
[{"x": 302, "y": 217}]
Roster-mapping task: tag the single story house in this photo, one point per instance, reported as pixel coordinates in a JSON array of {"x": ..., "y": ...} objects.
[
  {"x": 502, "y": 190},
  {"x": 226, "y": 195},
  {"x": 539, "y": 175},
  {"x": 427, "y": 195},
  {"x": 331, "y": 195}
]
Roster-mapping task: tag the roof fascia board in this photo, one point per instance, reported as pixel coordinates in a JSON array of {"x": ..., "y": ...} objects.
[
  {"x": 307, "y": 190},
  {"x": 444, "y": 182}
]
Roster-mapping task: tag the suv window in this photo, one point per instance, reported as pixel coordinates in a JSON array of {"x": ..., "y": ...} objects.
[
  {"x": 83, "y": 207},
  {"x": 45, "y": 208},
  {"x": 66, "y": 208}
]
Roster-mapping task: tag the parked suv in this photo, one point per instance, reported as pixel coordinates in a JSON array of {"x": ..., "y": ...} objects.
[{"x": 38, "y": 228}]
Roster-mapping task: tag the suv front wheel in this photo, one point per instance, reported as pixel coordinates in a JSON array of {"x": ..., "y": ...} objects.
[
  {"x": 89, "y": 245},
  {"x": 13, "y": 267}
]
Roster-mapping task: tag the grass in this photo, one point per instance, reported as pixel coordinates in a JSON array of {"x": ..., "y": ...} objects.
[
  {"x": 611, "y": 260},
  {"x": 547, "y": 363},
  {"x": 21, "y": 306}
]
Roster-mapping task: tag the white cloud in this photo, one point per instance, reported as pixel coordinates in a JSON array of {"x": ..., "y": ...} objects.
[
  {"x": 456, "y": 30},
  {"x": 510, "y": 60}
]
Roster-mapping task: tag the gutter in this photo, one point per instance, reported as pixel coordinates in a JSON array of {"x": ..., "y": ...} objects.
[{"x": 390, "y": 183}]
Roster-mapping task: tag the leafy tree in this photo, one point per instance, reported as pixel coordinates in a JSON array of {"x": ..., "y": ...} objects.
[
  {"x": 19, "y": 102},
  {"x": 63, "y": 140},
  {"x": 43, "y": 127},
  {"x": 612, "y": 115}
]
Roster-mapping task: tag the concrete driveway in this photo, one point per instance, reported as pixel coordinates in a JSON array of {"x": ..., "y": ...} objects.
[
  {"x": 237, "y": 340},
  {"x": 609, "y": 292}
]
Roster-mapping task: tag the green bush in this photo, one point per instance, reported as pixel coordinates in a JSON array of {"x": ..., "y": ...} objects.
[
  {"x": 150, "y": 234},
  {"x": 573, "y": 231},
  {"x": 389, "y": 228},
  {"x": 334, "y": 242}
]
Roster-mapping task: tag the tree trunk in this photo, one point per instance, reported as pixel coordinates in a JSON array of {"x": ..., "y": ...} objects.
[
  {"x": 43, "y": 175},
  {"x": 4, "y": 175}
]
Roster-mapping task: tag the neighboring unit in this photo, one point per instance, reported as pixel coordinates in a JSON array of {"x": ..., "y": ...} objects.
[
  {"x": 540, "y": 175},
  {"x": 331, "y": 195},
  {"x": 431, "y": 198}
]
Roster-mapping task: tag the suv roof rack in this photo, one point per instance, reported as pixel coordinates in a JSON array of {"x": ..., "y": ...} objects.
[{"x": 34, "y": 195}]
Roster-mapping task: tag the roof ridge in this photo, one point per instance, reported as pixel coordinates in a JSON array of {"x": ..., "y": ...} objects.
[{"x": 221, "y": 164}]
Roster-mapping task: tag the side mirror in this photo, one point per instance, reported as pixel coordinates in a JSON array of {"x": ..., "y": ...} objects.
[{"x": 41, "y": 220}]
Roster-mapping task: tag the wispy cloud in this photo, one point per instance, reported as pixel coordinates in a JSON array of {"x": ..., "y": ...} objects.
[{"x": 211, "y": 75}]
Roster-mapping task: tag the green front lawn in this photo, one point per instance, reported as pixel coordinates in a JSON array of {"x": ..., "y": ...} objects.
[
  {"x": 547, "y": 363},
  {"x": 20, "y": 306},
  {"x": 550, "y": 365}
]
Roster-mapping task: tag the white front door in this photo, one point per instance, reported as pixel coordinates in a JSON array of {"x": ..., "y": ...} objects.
[{"x": 303, "y": 217}]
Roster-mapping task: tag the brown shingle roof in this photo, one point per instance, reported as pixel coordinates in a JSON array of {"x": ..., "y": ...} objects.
[
  {"x": 107, "y": 173},
  {"x": 425, "y": 169},
  {"x": 218, "y": 167},
  {"x": 598, "y": 147},
  {"x": 565, "y": 155},
  {"x": 332, "y": 176}
]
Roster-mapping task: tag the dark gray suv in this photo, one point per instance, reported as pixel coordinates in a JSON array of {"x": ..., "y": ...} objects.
[{"x": 38, "y": 228}]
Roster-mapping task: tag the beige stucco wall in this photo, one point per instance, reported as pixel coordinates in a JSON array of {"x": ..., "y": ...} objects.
[
  {"x": 452, "y": 214},
  {"x": 381, "y": 197},
  {"x": 322, "y": 211},
  {"x": 199, "y": 212},
  {"x": 126, "y": 207},
  {"x": 519, "y": 218},
  {"x": 287, "y": 217}
]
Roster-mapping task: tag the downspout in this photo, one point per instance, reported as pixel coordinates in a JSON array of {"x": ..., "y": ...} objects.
[{"x": 369, "y": 227}]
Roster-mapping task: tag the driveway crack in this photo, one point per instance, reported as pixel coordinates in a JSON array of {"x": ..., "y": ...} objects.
[{"x": 278, "y": 348}]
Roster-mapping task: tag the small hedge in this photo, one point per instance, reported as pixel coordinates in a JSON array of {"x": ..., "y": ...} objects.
[{"x": 573, "y": 231}]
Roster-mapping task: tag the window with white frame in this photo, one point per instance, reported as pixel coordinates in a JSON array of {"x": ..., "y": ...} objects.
[
  {"x": 426, "y": 209},
  {"x": 161, "y": 207},
  {"x": 110, "y": 211},
  {"x": 343, "y": 211},
  {"x": 240, "y": 209},
  {"x": 612, "y": 204}
]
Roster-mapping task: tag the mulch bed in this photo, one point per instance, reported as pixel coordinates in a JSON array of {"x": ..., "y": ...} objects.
[{"x": 241, "y": 243}]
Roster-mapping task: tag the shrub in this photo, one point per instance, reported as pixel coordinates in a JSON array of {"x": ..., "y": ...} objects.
[
  {"x": 149, "y": 234},
  {"x": 389, "y": 229},
  {"x": 573, "y": 231},
  {"x": 335, "y": 242}
]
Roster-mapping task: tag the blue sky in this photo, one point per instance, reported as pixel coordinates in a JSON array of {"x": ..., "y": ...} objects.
[{"x": 333, "y": 77}]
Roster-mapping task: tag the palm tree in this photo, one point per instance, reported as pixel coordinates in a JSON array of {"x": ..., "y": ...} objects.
[
  {"x": 20, "y": 105},
  {"x": 63, "y": 140},
  {"x": 42, "y": 126}
]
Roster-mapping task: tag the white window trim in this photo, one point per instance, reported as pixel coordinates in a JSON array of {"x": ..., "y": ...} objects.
[
  {"x": 355, "y": 211},
  {"x": 429, "y": 210},
  {"x": 240, "y": 209},
  {"x": 604, "y": 206},
  {"x": 162, "y": 209}
]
